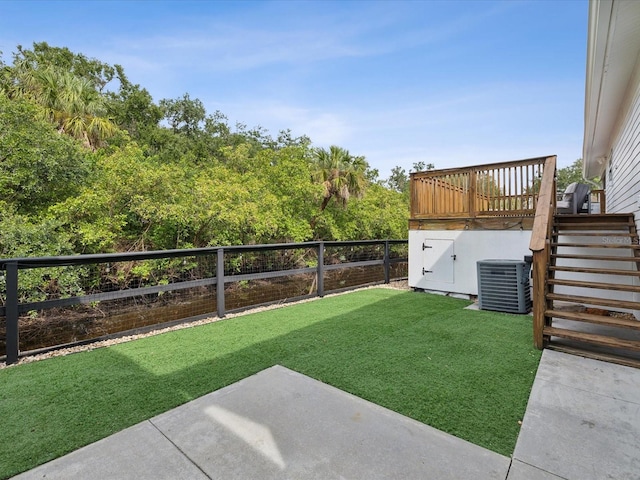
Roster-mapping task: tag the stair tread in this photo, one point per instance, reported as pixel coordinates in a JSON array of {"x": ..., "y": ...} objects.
[
  {"x": 595, "y": 257},
  {"x": 625, "y": 304},
  {"x": 593, "y": 318},
  {"x": 594, "y": 215},
  {"x": 602, "y": 228},
  {"x": 598, "y": 234},
  {"x": 596, "y": 245},
  {"x": 617, "y": 222},
  {"x": 594, "y": 219},
  {"x": 597, "y": 271},
  {"x": 605, "y": 357},
  {"x": 592, "y": 338},
  {"x": 599, "y": 285}
]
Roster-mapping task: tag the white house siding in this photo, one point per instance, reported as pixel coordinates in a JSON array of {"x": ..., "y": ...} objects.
[
  {"x": 623, "y": 172},
  {"x": 612, "y": 104},
  {"x": 622, "y": 188}
]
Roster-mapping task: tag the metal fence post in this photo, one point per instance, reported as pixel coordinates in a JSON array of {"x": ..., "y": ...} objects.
[
  {"x": 11, "y": 314},
  {"x": 220, "y": 283},
  {"x": 321, "y": 269},
  {"x": 387, "y": 262}
]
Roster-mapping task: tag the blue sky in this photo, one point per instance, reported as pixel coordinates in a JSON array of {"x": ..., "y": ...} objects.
[{"x": 453, "y": 83}]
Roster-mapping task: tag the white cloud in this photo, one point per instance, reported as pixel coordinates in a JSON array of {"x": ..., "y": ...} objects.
[
  {"x": 316, "y": 34},
  {"x": 227, "y": 48}
]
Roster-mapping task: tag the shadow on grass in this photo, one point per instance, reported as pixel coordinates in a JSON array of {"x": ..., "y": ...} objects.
[{"x": 465, "y": 372}]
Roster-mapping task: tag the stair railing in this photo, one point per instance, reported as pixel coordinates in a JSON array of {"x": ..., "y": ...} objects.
[{"x": 540, "y": 245}]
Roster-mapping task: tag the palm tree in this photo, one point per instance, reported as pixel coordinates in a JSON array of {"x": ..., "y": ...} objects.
[
  {"x": 341, "y": 175},
  {"x": 70, "y": 102}
]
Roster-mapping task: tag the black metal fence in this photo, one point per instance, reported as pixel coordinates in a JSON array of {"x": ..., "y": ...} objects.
[{"x": 53, "y": 302}]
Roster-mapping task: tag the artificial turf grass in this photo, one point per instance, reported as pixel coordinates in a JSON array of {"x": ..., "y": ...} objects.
[{"x": 466, "y": 372}]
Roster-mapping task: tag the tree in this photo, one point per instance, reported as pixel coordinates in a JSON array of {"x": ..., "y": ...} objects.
[
  {"x": 68, "y": 86},
  {"x": 421, "y": 166},
  {"x": 171, "y": 176},
  {"x": 75, "y": 106},
  {"x": 381, "y": 213},
  {"x": 43, "y": 56},
  {"x": 38, "y": 167},
  {"x": 286, "y": 172},
  {"x": 398, "y": 180},
  {"x": 568, "y": 175},
  {"x": 341, "y": 174},
  {"x": 69, "y": 101},
  {"x": 184, "y": 114},
  {"x": 25, "y": 236},
  {"x": 132, "y": 109}
]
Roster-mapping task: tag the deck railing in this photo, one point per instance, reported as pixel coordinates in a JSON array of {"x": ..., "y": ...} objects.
[
  {"x": 598, "y": 198},
  {"x": 493, "y": 190}
]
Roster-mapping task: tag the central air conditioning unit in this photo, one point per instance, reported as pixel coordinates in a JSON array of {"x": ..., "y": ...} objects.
[{"x": 503, "y": 286}]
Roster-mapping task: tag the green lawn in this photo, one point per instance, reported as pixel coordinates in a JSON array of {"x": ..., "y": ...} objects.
[{"x": 466, "y": 372}]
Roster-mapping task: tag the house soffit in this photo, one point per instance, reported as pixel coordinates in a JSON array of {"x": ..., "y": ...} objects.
[{"x": 612, "y": 55}]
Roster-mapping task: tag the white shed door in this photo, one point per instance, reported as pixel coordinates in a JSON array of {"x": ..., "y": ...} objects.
[{"x": 438, "y": 257}]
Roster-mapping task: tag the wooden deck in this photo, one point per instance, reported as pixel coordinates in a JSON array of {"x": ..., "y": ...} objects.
[{"x": 492, "y": 196}]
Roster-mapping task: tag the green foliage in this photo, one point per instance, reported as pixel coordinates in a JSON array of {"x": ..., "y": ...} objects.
[
  {"x": 286, "y": 173},
  {"x": 132, "y": 108},
  {"x": 131, "y": 202},
  {"x": 568, "y": 175},
  {"x": 398, "y": 180},
  {"x": 66, "y": 86},
  {"x": 183, "y": 114},
  {"x": 43, "y": 56},
  {"x": 422, "y": 166},
  {"x": 341, "y": 175},
  {"x": 381, "y": 213},
  {"x": 166, "y": 175},
  {"x": 38, "y": 167},
  {"x": 141, "y": 273},
  {"x": 20, "y": 237},
  {"x": 138, "y": 202}
]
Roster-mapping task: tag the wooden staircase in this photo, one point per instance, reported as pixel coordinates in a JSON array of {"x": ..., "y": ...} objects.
[{"x": 592, "y": 287}]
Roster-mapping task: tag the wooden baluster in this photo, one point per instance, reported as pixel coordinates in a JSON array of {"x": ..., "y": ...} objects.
[{"x": 472, "y": 194}]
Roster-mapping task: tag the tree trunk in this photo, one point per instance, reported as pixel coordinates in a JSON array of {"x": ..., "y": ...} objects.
[{"x": 324, "y": 204}]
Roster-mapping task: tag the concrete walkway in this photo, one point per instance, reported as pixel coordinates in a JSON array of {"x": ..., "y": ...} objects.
[{"x": 582, "y": 422}]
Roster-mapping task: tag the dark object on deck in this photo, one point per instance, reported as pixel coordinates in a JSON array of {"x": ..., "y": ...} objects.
[{"x": 574, "y": 198}]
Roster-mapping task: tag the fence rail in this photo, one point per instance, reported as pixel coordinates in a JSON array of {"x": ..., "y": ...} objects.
[{"x": 49, "y": 302}]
